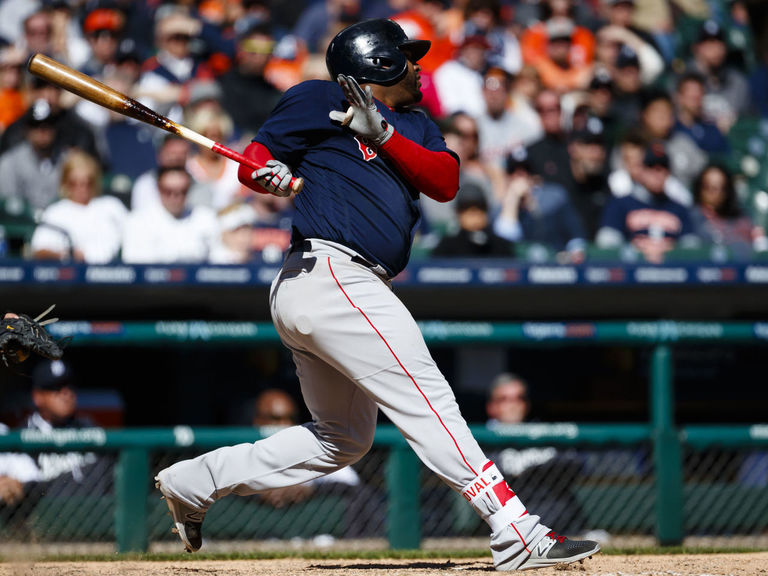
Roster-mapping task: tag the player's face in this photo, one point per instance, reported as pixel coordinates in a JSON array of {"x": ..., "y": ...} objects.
[{"x": 405, "y": 92}]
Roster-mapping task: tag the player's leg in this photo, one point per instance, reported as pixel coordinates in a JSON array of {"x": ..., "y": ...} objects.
[
  {"x": 354, "y": 321},
  {"x": 291, "y": 456}
]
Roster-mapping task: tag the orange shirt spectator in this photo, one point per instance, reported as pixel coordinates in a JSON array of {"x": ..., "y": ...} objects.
[
  {"x": 12, "y": 104},
  {"x": 534, "y": 40},
  {"x": 561, "y": 52}
]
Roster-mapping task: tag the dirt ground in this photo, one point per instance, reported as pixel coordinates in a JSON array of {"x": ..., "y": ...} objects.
[{"x": 747, "y": 564}]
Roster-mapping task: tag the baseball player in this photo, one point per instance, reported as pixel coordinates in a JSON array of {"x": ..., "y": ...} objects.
[{"x": 365, "y": 158}]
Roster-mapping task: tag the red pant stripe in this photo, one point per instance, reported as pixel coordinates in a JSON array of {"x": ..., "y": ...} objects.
[{"x": 401, "y": 366}]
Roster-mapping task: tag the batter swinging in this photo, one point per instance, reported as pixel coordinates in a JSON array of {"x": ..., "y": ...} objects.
[{"x": 365, "y": 158}]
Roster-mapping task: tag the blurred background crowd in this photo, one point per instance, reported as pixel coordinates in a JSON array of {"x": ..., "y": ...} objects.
[{"x": 629, "y": 127}]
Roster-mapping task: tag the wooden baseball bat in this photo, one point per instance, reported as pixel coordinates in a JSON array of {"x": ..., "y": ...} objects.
[{"x": 101, "y": 94}]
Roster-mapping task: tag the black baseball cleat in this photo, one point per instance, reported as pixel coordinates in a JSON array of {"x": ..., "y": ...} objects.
[
  {"x": 188, "y": 522},
  {"x": 554, "y": 549}
]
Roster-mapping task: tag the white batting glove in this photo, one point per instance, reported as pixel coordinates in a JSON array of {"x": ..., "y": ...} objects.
[
  {"x": 275, "y": 177},
  {"x": 361, "y": 117}
]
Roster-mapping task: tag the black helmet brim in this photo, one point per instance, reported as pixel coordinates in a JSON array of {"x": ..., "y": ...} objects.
[{"x": 416, "y": 49}]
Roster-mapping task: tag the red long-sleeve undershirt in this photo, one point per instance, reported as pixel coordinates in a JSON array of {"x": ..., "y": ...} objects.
[{"x": 435, "y": 174}]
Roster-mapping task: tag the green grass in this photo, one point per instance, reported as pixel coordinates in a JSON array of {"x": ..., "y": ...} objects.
[{"x": 360, "y": 555}]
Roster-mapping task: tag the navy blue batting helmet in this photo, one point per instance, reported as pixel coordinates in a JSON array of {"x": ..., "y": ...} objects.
[{"x": 373, "y": 52}]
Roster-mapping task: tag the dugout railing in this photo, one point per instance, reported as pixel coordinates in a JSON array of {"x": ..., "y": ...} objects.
[{"x": 665, "y": 501}]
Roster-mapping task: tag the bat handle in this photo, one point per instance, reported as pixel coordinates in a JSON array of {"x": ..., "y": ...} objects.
[{"x": 296, "y": 183}]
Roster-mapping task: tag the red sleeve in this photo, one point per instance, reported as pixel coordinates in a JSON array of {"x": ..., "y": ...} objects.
[
  {"x": 260, "y": 154},
  {"x": 435, "y": 174}
]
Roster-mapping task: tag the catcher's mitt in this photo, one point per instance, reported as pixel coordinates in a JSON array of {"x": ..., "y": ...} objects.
[{"x": 23, "y": 335}]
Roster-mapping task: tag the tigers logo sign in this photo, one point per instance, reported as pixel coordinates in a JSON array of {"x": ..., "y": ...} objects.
[{"x": 369, "y": 152}]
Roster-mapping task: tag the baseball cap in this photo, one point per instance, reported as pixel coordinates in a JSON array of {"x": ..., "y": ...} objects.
[
  {"x": 627, "y": 57},
  {"x": 128, "y": 51},
  {"x": 252, "y": 24},
  {"x": 711, "y": 30},
  {"x": 233, "y": 217},
  {"x": 476, "y": 40},
  {"x": 39, "y": 113},
  {"x": 202, "y": 90},
  {"x": 103, "y": 19},
  {"x": 178, "y": 23},
  {"x": 52, "y": 375},
  {"x": 656, "y": 155},
  {"x": 471, "y": 196},
  {"x": 518, "y": 159},
  {"x": 601, "y": 79},
  {"x": 593, "y": 132},
  {"x": 559, "y": 28}
]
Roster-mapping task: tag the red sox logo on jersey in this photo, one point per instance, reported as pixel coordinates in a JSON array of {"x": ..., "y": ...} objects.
[{"x": 369, "y": 152}]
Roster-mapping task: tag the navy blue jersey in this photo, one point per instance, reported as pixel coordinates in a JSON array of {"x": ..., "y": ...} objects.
[
  {"x": 351, "y": 194},
  {"x": 659, "y": 217}
]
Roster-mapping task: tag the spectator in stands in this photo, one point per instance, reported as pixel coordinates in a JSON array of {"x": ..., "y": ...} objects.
[
  {"x": 12, "y": 102},
  {"x": 538, "y": 212},
  {"x": 726, "y": 89},
  {"x": 657, "y": 123},
  {"x": 628, "y": 164},
  {"x": 690, "y": 120},
  {"x": 461, "y": 135},
  {"x": 718, "y": 217},
  {"x": 319, "y": 18},
  {"x": 173, "y": 232},
  {"x": 161, "y": 83},
  {"x": 600, "y": 97},
  {"x": 475, "y": 237},
  {"x": 16, "y": 469},
  {"x": 68, "y": 40},
  {"x": 38, "y": 34},
  {"x": 127, "y": 146},
  {"x": 30, "y": 170},
  {"x": 71, "y": 130},
  {"x": 619, "y": 31},
  {"x": 588, "y": 189},
  {"x": 57, "y": 474},
  {"x": 561, "y": 68},
  {"x": 235, "y": 242},
  {"x": 83, "y": 226},
  {"x": 541, "y": 474},
  {"x": 246, "y": 95},
  {"x": 216, "y": 177},
  {"x": 526, "y": 85},
  {"x": 648, "y": 219},
  {"x": 484, "y": 17},
  {"x": 556, "y": 17},
  {"x": 103, "y": 27},
  {"x": 500, "y": 128},
  {"x": 172, "y": 152},
  {"x": 549, "y": 155},
  {"x": 459, "y": 82},
  {"x": 628, "y": 89}
]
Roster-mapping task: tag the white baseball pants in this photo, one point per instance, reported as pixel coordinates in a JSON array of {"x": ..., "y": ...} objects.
[{"x": 356, "y": 348}]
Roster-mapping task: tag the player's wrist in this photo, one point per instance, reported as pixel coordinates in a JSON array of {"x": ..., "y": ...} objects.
[{"x": 385, "y": 134}]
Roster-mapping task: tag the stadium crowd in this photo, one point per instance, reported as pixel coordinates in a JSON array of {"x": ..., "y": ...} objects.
[{"x": 633, "y": 126}]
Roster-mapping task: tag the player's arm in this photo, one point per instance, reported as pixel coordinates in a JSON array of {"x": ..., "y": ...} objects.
[
  {"x": 274, "y": 178},
  {"x": 434, "y": 173}
]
